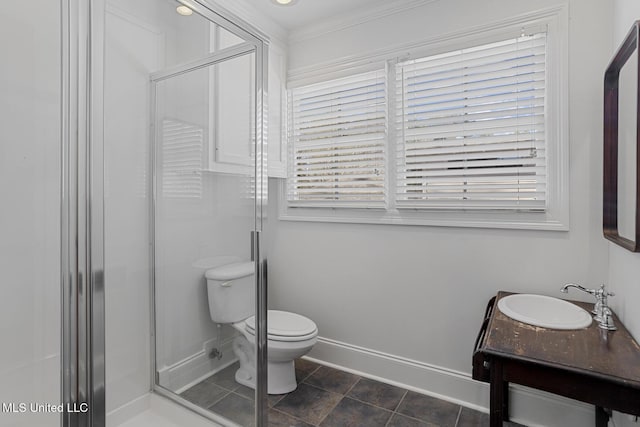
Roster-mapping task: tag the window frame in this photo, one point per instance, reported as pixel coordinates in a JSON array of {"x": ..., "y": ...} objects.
[{"x": 556, "y": 215}]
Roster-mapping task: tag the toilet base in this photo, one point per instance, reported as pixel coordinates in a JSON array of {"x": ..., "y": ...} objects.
[
  {"x": 281, "y": 375},
  {"x": 248, "y": 382}
]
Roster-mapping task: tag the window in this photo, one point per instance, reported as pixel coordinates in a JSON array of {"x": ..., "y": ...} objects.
[
  {"x": 471, "y": 127},
  {"x": 474, "y": 135},
  {"x": 338, "y": 139}
]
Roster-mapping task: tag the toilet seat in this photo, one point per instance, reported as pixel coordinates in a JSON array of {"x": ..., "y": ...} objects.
[{"x": 285, "y": 326}]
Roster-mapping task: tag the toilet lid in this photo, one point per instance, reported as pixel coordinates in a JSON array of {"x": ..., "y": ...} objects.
[{"x": 285, "y": 326}]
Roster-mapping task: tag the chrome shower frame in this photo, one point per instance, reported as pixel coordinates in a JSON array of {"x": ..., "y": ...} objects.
[{"x": 82, "y": 214}]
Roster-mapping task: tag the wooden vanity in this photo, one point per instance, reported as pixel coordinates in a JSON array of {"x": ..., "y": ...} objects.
[{"x": 591, "y": 365}]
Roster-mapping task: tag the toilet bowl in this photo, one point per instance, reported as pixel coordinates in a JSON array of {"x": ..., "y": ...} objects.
[{"x": 289, "y": 335}]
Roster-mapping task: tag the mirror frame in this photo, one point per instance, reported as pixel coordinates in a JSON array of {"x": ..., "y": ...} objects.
[{"x": 610, "y": 167}]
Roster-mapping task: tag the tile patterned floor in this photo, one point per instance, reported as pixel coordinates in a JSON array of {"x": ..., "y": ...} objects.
[{"x": 328, "y": 397}]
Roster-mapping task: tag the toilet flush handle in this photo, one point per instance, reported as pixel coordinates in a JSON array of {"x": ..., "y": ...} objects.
[{"x": 226, "y": 284}]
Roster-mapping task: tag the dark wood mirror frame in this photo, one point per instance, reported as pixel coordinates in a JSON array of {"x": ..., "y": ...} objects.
[{"x": 610, "y": 170}]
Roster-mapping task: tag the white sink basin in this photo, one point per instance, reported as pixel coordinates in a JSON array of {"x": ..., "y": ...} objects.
[{"x": 547, "y": 312}]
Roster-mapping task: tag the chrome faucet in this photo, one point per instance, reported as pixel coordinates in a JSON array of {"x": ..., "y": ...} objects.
[
  {"x": 566, "y": 287},
  {"x": 601, "y": 311}
]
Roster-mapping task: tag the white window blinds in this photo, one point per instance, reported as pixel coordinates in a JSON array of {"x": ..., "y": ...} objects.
[
  {"x": 337, "y": 131},
  {"x": 471, "y": 127},
  {"x": 182, "y": 149}
]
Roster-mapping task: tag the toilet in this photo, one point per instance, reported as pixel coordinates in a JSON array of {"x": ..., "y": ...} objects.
[{"x": 231, "y": 294}]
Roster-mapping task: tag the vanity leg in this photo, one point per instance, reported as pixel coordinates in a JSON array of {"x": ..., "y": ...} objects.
[
  {"x": 505, "y": 401},
  {"x": 497, "y": 395},
  {"x": 602, "y": 417}
]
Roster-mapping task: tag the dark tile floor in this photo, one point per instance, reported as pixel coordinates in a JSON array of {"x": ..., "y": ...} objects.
[{"x": 328, "y": 397}]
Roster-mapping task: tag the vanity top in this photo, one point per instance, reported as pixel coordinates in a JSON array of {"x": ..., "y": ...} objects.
[{"x": 613, "y": 356}]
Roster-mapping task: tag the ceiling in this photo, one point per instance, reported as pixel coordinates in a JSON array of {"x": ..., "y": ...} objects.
[{"x": 309, "y": 12}]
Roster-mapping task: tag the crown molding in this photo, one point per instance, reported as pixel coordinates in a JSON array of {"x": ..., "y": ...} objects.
[
  {"x": 352, "y": 19},
  {"x": 359, "y": 62},
  {"x": 244, "y": 10}
]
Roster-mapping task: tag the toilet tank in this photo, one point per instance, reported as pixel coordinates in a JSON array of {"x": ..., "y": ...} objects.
[{"x": 231, "y": 292}]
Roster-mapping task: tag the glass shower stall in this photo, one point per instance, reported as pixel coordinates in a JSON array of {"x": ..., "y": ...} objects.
[{"x": 133, "y": 161}]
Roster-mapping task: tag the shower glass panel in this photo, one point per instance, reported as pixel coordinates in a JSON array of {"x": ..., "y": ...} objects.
[{"x": 204, "y": 125}]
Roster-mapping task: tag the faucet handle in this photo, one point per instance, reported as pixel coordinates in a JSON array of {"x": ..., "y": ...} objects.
[{"x": 603, "y": 291}]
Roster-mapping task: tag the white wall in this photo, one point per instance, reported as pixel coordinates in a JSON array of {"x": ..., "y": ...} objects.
[
  {"x": 624, "y": 266},
  {"x": 419, "y": 292},
  {"x": 30, "y": 169},
  {"x": 133, "y": 48}
]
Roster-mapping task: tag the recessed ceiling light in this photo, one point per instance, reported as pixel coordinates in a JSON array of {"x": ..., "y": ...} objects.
[
  {"x": 284, "y": 2},
  {"x": 184, "y": 10}
]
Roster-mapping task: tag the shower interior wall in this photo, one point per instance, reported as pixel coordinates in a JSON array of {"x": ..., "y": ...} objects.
[{"x": 30, "y": 167}]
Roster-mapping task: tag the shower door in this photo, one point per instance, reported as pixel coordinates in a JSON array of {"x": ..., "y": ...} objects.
[{"x": 207, "y": 164}]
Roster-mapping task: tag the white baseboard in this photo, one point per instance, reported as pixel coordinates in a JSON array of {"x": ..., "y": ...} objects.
[
  {"x": 527, "y": 406},
  {"x": 193, "y": 369}
]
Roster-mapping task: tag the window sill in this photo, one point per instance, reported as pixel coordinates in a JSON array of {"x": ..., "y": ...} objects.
[
  {"x": 516, "y": 221},
  {"x": 546, "y": 221}
]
